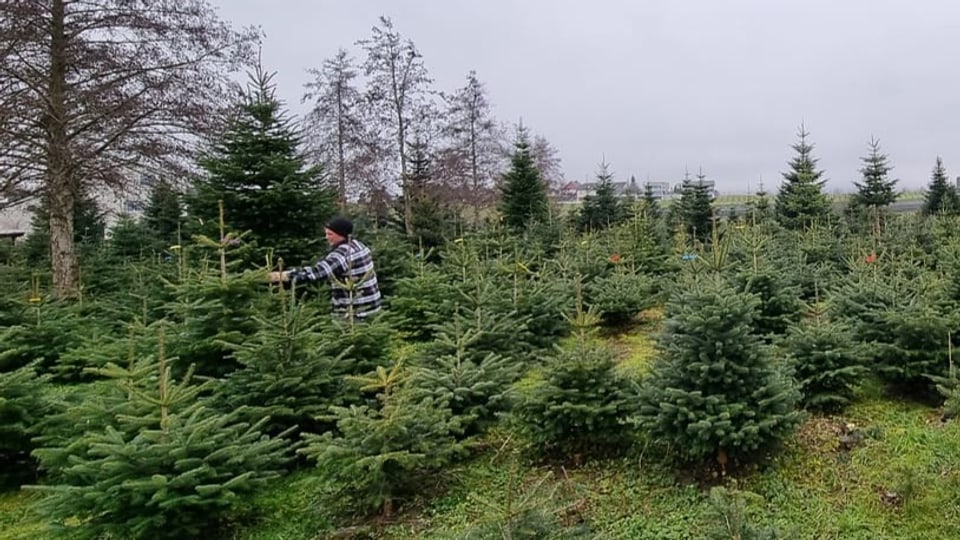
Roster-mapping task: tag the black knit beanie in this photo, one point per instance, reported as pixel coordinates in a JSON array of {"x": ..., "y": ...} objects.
[{"x": 341, "y": 226}]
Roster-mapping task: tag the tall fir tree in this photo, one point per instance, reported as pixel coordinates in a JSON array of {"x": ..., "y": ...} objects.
[
  {"x": 801, "y": 200},
  {"x": 603, "y": 208},
  {"x": 941, "y": 195},
  {"x": 164, "y": 213},
  {"x": 696, "y": 207},
  {"x": 431, "y": 222},
  {"x": 716, "y": 391},
  {"x": 257, "y": 170},
  {"x": 651, "y": 205},
  {"x": 876, "y": 190},
  {"x": 523, "y": 194}
]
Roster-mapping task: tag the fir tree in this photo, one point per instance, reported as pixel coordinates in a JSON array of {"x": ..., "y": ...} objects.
[
  {"x": 603, "y": 209},
  {"x": 212, "y": 305},
  {"x": 696, "y": 208},
  {"x": 89, "y": 229},
  {"x": 801, "y": 201},
  {"x": 760, "y": 210},
  {"x": 256, "y": 169},
  {"x": 430, "y": 221},
  {"x": 876, "y": 190},
  {"x": 651, "y": 206},
  {"x": 941, "y": 195},
  {"x": 473, "y": 385},
  {"x": 778, "y": 301},
  {"x": 523, "y": 193},
  {"x": 378, "y": 454},
  {"x": 163, "y": 215},
  {"x": 22, "y": 407},
  {"x": 578, "y": 405},
  {"x": 826, "y": 359},
  {"x": 285, "y": 373},
  {"x": 716, "y": 392},
  {"x": 148, "y": 459},
  {"x": 621, "y": 295}
]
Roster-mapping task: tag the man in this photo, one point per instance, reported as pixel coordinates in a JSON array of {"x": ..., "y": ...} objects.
[{"x": 348, "y": 267}]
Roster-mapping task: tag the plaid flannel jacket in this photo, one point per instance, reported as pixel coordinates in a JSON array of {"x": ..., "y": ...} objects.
[{"x": 353, "y": 281}]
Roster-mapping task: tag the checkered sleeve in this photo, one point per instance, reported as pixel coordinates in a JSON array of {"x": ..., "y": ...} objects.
[{"x": 334, "y": 264}]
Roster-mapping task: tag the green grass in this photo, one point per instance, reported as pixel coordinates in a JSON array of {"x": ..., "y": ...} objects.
[{"x": 16, "y": 520}]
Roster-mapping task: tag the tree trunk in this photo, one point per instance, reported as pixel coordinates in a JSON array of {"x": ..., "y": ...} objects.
[{"x": 61, "y": 186}]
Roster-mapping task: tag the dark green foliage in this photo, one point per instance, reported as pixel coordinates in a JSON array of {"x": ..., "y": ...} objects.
[
  {"x": 603, "y": 209},
  {"x": 801, "y": 201},
  {"x": 214, "y": 316},
  {"x": 163, "y": 215},
  {"x": 392, "y": 256},
  {"x": 49, "y": 332},
  {"x": 472, "y": 383},
  {"x": 696, "y": 208},
  {"x": 619, "y": 296},
  {"x": 779, "y": 300},
  {"x": 256, "y": 169},
  {"x": 539, "y": 302},
  {"x": 577, "y": 405},
  {"x": 903, "y": 318},
  {"x": 941, "y": 195},
  {"x": 285, "y": 374},
  {"x": 716, "y": 392},
  {"x": 914, "y": 348},
  {"x": 22, "y": 407},
  {"x": 88, "y": 230},
  {"x": 417, "y": 306},
  {"x": 651, "y": 206},
  {"x": 379, "y": 455},
  {"x": 359, "y": 346},
  {"x": 130, "y": 239},
  {"x": 144, "y": 457},
  {"x": 431, "y": 222},
  {"x": 523, "y": 195},
  {"x": 827, "y": 363},
  {"x": 759, "y": 209},
  {"x": 876, "y": 190}
]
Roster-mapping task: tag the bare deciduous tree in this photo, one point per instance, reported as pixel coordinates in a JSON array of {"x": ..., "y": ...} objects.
[
  {"x": 475, "y": 140},
  {"x": 93, "y": 90},
  {"x": 335, "y": 124},
  {"x": 547, "y": 159},
  {"x": 397, "y": 94}
]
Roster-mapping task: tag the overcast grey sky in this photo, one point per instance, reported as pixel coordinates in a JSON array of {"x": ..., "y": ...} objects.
[{"x": 660, "y": 86}]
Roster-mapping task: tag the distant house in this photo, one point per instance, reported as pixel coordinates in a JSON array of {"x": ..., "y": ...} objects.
[
  {"x": 575, "y": 192},
  {"x": 14, "y": 222},
  {"x": 131, "y": 201},
  {"x": 659, "y": 190}
]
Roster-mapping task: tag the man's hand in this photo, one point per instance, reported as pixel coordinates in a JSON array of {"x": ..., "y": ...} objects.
[{"x": 274, "y": 277}]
